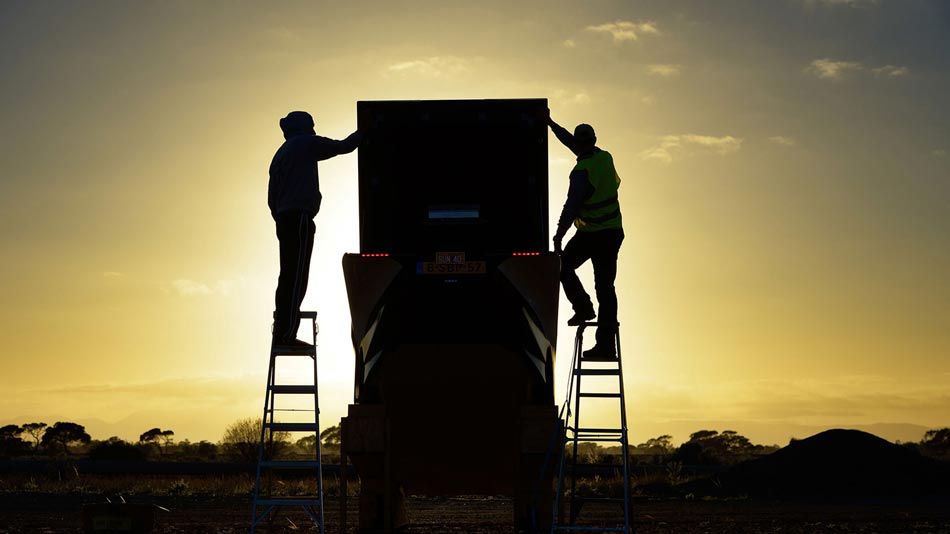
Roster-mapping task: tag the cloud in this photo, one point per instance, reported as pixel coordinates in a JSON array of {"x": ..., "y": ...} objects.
[
  {"x": 830, "y": 69},
  {"x": 562, "y": 98},
  {"x": 190, "y": 288},
  {"x": 722, "y": 145},
  {"x": 658, "y": 153},
  {"x": 432, "y": 67},
  {"x": 569, "y": 43},
  {"x": 663, "y": 69},
  {"x": 689, "y": 144},
  {"x": 891, "y": 71},
  {"x": 626, "y": 30},
  {"x": 835, "y": 70},
  {"x": 782, "y": 140},
  {"x": 113, "y": 275}
]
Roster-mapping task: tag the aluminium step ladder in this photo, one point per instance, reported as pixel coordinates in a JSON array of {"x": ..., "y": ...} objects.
[
  {"x": 264, "y": 503},
  {"x": 574, "y": 434}
]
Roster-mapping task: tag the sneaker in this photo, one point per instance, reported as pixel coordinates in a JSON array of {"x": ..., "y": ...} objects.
[
  {"x": 292, "y": 344},
  {"x": 581, "y": 317},
  {"x": 600, "y": 354}
]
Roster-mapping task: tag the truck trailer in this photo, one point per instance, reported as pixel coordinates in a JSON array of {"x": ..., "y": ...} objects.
[{"x": 453, "y": 298}]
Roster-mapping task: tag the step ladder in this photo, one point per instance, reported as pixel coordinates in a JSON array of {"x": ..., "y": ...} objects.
[
  {"x": 575, "y": 433},
  {"x": 264, "y": 503}
]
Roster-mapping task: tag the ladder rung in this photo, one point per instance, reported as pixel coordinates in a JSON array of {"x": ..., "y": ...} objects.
[
  {"x": 579, "y": 498},
  {"x": 291, "y": 464},
  {"x": 597, "y": 372},
  {"x": 581, "y": 436},
  {"x": 595, "y": 323},
  {"x": 577, "y": 528},
  {"x": 600, "y": 395},
  {"x": 595, "y": 437},
  {"x": 288, "y": 351},
  {"x": 308, "y": 315},
  {"x": 289, "y": 501},
  {"x": 294, "y": 389},
  {"x": 293, "y": 427},
  {"x": 600, "y": 430}
]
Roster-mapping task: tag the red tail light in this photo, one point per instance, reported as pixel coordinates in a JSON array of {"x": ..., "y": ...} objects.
[
  {"x": 525, "y": 253},
  {"x": 374, "y": 255}
]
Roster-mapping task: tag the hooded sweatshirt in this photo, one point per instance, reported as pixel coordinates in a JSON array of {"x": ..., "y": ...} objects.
[{"x": 294, "y": 180}]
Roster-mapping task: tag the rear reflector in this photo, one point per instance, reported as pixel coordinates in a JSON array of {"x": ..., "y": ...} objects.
[
  {"x": 375, "y": 255},
  {"x": 525, "y": 253}
]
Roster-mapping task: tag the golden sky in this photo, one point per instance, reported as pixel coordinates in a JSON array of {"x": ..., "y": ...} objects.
[{"x": 786, "y": 197}]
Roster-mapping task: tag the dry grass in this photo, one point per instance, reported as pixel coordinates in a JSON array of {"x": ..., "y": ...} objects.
[{"x": 162, "y": 485}]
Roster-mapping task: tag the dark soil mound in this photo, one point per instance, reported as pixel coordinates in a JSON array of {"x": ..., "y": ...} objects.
[{"x": 840, "y": 464}]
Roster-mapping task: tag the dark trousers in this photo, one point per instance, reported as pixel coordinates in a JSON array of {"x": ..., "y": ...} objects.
[
  {"x": 295, "y": 233},
  {"x": 601, "y": 248}
]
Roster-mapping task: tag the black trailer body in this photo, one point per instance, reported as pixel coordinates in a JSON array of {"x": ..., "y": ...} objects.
[
  {"x": 453, "y": 299},
  {"x": 448, "y": 175}
]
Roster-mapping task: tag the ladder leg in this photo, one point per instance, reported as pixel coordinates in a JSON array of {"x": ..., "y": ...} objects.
[
  {"x": 316, "y": 420},
  {"x": 572, "y": 423},
  {"x": 579, "y": 351},
  {"x": 265, "y": 504},
  {"x": 624, "y": 439},
  {"x": 255, "y": 518}
]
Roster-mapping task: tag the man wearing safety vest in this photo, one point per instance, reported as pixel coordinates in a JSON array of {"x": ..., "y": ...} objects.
[{"x": 593, "y": 207}]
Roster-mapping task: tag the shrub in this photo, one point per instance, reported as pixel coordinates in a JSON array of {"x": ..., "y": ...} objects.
[
  {"x": 116, "y": 449},
  {"x": 242, "y": 437}
]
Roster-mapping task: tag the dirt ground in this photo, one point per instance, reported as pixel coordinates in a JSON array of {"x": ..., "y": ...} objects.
[{"x": 43, "y": 513}]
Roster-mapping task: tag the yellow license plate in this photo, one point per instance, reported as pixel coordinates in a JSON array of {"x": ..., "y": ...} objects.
[{"x": 468, "y": 267}]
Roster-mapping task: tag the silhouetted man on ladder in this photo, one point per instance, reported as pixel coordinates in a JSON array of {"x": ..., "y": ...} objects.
[
  {"x": 594, "y": 208},
  {"x": 293, "y": 196}
]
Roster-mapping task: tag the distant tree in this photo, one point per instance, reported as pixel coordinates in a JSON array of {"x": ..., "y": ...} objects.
[
  {"x": 115, "y": 448},
  {"x": 207, "y": 450},
  {"x": 714, "y": 447},
  {"x": 702, "y": 448},
  {"x": 936, "y": 442},
  {"x": 658, "y": 445},
  {"x": 307, "y": 443},
  {"x": 589, "y": 452},
  {"x": 241, "y": 440},
  {"x": 937, "y": 438},
  {"x": 330, "y": 437},
  {"x": 734, "y": 443},
  {"x": 62, "y": 434},
  {"x": 692, "y": 453},
  {"x": 161, "y": 438},
  {"x": 35, "y": 430},
  {"x": 701, "y": 435},
  {"x": 10, "y": 442}
]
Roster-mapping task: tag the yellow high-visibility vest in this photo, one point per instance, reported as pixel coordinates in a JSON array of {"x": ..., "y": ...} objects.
[{"x": 602, "y": 210}]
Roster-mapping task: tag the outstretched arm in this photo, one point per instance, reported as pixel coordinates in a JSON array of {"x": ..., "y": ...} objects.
[
  {"x": 325, "y": 148},
  {"x": 562, "y": 135}
]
